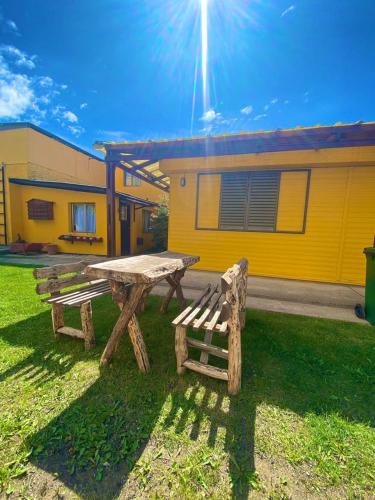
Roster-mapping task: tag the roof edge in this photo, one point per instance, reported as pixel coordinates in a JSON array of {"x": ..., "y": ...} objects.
[{"x": 83, "y": 188}]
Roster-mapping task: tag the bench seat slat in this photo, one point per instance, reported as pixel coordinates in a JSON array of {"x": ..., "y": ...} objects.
[
  {"x": 82, "y": 294},
  {"x": 194, "y": 304}
]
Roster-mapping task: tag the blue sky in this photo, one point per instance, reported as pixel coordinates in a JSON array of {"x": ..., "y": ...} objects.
[{"x": 127, "y": 69}]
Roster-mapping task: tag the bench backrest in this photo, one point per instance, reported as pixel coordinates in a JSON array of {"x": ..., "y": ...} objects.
[
  {"x": 55, "y": 282},
  {"x": 233, "y": 286}
]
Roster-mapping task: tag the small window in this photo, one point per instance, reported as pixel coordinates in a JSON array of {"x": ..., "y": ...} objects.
[
  {"x": 83, "y": 217},
  {"x": 146, "y": 221},
  {"x": 131, "y": 180}
]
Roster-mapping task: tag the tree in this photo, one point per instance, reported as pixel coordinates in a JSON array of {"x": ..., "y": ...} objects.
[{"x": 159, "y": 226}]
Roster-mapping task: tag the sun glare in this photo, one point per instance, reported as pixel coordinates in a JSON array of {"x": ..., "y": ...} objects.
[{"x": 204, "y": 49}]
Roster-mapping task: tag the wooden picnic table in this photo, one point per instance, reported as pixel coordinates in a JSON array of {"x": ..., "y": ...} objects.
[{"x": 131, "y": 280}]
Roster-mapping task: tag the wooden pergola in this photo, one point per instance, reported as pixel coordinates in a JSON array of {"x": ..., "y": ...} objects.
[{"x": 142, "y": 158}]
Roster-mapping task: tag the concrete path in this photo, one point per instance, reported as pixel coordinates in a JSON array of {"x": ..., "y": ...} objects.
[{"x": 321, "y": 300}]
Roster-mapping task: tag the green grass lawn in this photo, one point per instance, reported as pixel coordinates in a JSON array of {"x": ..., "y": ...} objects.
[{"x": 303, "y": 424}]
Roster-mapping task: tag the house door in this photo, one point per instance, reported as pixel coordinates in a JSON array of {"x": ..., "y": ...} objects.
[{"x": 125, "y": 211}]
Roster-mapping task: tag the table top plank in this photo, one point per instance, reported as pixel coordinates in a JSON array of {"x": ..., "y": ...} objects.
[{"x": 141, "y": 268}]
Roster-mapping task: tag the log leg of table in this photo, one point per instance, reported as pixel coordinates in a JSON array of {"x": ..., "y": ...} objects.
[
  {"x": 175, "y": 286},
  {"x": 128, "y": 310},
  {"x": 139, "y": 346}
]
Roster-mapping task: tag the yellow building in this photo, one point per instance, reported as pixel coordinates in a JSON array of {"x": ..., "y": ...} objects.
[
  {"x": 298, "y": 203},
  {"x": 54, "y": 192}
]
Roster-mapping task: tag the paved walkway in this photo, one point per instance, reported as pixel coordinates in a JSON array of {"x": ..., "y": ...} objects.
[{"x": 321, "y": 300}]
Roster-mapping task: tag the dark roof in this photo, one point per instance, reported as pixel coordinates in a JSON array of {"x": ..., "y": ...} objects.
[
  {"x": 18, "y": 125},
  {"x": 83, "y": 188},
  {"x": 318, "y": 137}
]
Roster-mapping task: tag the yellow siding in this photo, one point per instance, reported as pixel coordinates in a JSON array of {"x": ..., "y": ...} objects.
[
  {"x": 330, "y": 249},
  {"x": 208, "y": 201},
  {"x": 359, "y": 227},
  {"x": 292, "y": 201}
]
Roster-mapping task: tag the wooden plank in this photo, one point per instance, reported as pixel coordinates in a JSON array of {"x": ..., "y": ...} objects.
[
  {"x": 58, "y": 269},
  {"x": 208, "y": 348},
  {"x": 61, "y": 299},
  {"x": 212, "y": 323},
  {"x": 145, "y": 269},
  {"x": 72, "y": 332},
  {"x": 180, "y": 348},
  {"x": 184, "y": 313},
  {"x": 199, "y": 308},
  {"x": 54, "y": 285},
  {"x": 216, "y": 329},
  {"x": 210, "y": 371},
  {"x": 57, "y": 314},
  {"x": 210, "y": 308},
  {"x": 87, "y": 296}
]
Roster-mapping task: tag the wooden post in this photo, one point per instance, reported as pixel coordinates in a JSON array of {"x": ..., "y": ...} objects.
[
  {"x": 139, "y": 346},
  {"x": 204, "y": 354},
  {"x": 111, "y": 208},
  {"x": 233, "y": 283},
  {"x": 181, "y": 348},
  {"x": 87, "y": 326},
  {"x": 57, "y": 318}
]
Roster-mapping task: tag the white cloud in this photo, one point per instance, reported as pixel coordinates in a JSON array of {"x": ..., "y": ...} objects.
[
  {"x": 63, "y": 86},
  {"x": 266, "y": 107},
  {"x": 16, "y": 93},
  {"x": 274, "y": 100},
  {"x": 114, "y": 135},
  {"x": 70, "y": 116},
  {"x": 83, "y": 105},
  {"x": 20, "y": 58},
  {"x": 45, "y": 81},
  {"x": 210, "y": 116},
  {"x": 286, "y": 101},
  {"x": 288, "y": 10},
  {"x": 259, "y": 117},
  {"x": 12, "y": 27},
  {"x": 247, "y": 110},
  {"x": 76, "y": 130}
]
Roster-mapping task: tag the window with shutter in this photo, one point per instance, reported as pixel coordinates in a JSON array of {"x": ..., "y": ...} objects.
[
  {"x": 262, "y": 203},
  {"x": 249, "y": 201},
  {"x": 233, "y": 201}
]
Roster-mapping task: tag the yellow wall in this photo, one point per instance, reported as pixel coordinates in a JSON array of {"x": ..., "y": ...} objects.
[
  {"x": 292, "y": 201},
  {"x": 145, "y": 190},
  {"x": 48, "y": 231},
  {"x": 208, "y": 201},
  {"x": 340, "y": 220}
]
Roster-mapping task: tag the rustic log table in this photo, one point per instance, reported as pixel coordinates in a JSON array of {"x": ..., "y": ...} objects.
[{"x": 131, "y": 280}]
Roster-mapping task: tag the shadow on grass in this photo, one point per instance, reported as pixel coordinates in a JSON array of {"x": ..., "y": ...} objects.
[{"x": 300, "y": 364}]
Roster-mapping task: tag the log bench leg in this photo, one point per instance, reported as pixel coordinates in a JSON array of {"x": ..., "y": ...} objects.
[
  {"x": 234, "y": 361},
  {"x": 207, "y": 340},
  {"x": 181, "y": 348},
  {"x": 87, "y": 325},
  {"x": 57, "y": 318}
]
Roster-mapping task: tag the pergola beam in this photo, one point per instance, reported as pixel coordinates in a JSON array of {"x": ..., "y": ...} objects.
[
  {"x": 163, "y": 187},
  {"x": 111, "y": 208}
]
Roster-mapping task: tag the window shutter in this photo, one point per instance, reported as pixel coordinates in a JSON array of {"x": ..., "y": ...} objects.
[
  {"x": 234, "y": 190},
  {"x": 262, "y": 203}
]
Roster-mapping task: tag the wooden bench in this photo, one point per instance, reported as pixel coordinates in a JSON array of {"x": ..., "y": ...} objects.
[
  {"x": 78, "y": 297},
  {"x": 221, "y": 310}
]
